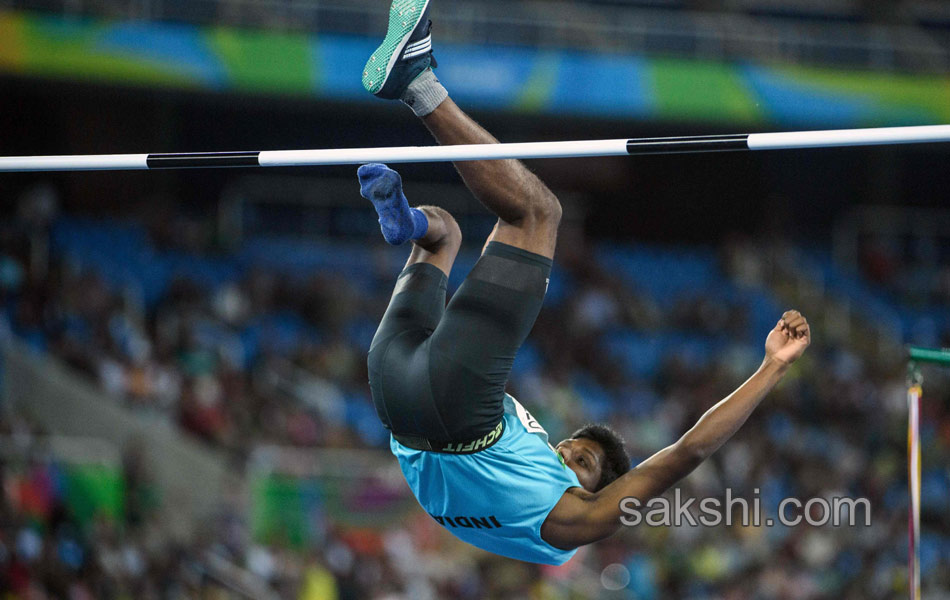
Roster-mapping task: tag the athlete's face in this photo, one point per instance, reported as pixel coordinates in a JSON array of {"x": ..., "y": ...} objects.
[{"x": 584, "y": 457}]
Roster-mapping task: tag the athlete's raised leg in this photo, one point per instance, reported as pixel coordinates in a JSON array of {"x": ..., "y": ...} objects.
[
  {"x": 397, "y": 361},
  {"x": 528, "y": 212},
  {"x": 468, "y": 356},
  {"x": 401, "y": 68}
]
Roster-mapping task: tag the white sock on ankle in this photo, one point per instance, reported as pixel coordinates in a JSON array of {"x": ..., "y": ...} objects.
[{"x": 424, "y": 94}]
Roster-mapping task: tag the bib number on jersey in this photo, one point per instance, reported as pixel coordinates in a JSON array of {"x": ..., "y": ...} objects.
[{"x": 530, "y": 423}]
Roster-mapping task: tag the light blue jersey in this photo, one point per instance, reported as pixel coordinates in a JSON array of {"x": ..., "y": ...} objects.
[{"x": 498, "y": 498}]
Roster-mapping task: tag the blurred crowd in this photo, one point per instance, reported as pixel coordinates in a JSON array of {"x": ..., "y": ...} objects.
[
  {"x": 267, "y": 358},
  {"x": 47, "y": 550},
  {"x": 917, "y": 272}
]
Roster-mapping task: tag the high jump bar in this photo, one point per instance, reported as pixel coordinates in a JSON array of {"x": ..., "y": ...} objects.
[{"x": 404, "y": 154}]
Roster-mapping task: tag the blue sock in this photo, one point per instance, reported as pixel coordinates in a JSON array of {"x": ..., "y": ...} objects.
[{"x": 383, "y": 187}]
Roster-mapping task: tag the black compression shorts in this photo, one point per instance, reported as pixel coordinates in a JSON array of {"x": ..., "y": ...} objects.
[{"x": 440, "y": 371}]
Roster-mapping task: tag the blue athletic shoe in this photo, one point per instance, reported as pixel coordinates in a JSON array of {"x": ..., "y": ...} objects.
[
  {"x": 405, "y": 52},
  {"x": 383, "y": 187}
]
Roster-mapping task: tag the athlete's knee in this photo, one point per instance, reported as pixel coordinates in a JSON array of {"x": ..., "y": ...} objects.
[{"x": 544, "y": 210}]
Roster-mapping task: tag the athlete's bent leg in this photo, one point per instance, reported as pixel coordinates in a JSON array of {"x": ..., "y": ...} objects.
[
  {"x": 398, "y": 375},
  {"x": 440, "y": 245}
]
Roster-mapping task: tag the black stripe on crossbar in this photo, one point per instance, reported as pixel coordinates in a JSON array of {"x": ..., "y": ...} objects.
[
  {"x": 678, "y": 145},
  {"x": 203, "y": 159}
]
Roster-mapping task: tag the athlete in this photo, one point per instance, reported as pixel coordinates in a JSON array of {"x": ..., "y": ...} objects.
[{"x": 475, "y": 459}]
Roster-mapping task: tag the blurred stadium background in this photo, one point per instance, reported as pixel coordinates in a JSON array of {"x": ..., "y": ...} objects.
[{"x": 185, "y": 411}]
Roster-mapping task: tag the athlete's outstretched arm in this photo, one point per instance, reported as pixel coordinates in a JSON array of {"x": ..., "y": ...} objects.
[{"x": 583, "y": 517}]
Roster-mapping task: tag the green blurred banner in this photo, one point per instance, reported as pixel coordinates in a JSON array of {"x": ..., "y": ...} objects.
[
  {"x": 94, "y": 491},
  {"x": 329, "y": 66},
  {"x": 295, "y": 511}
]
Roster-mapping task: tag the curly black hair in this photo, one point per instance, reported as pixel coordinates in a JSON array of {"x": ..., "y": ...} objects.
[{"x": 616, "y": 459}]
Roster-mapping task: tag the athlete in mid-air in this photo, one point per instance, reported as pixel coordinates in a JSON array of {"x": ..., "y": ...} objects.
[{"x": 474, "y": 457}]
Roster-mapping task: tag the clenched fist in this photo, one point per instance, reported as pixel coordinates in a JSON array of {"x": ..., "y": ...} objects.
[{"x": 789, "y": 338}]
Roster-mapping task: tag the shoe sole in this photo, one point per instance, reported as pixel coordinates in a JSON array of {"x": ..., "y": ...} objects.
[{"x": 401, "y": 26}]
